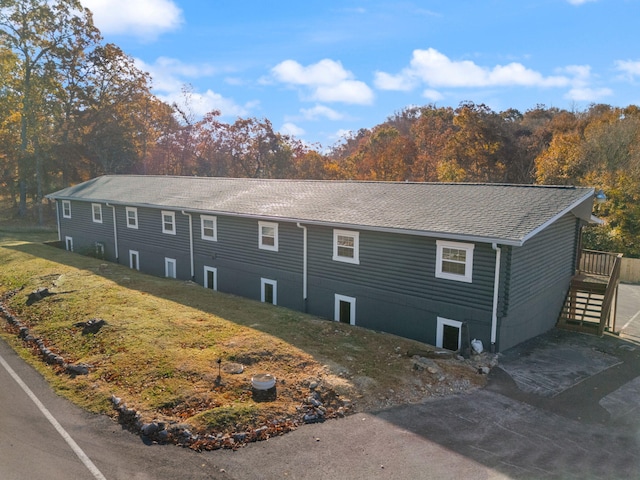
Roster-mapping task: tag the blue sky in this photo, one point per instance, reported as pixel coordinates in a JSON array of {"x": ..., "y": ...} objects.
[{"x": 318, "y": 70}]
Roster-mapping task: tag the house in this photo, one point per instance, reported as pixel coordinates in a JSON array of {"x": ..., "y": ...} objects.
[{"x": 440, "y": 263}]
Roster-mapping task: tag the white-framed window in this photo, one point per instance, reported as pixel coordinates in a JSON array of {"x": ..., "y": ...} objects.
[
  {"x": 66, "y": 209},
  {"x": 96, "y": 211},
  {"x": 268, "y": 291},
  {"x": 168, "y": 222},
  {"x": 170, "y": 267},
  {"x": 345, "y": 309},
  {"x": 448, "y": 334},
  {"x": 134, "y": 259},
  {"x": 68, "y": 243},
  {"x": 268, "y": 232},
  {"x": 454, "y": 260},
  {"x": 210, "y": 277},
  {"x": 346, "y": 246},
  {"x": 209, "y": 227},
  {"x": 132, "y": 217}
]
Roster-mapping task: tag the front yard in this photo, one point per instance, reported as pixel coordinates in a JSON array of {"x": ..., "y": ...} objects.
[{"x": 175, "y": 361}]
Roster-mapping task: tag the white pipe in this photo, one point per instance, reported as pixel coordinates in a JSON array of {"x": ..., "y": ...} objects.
[
  {"x": 496, "y": 285},
  {"x": 304, "y": 264},
  {"x": 58, "y": 221},
  {"x": 193, "y": 275},
  {"x": 115, "y": 231}
]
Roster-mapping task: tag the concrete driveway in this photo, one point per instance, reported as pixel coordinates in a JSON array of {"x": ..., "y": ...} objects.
[{"x": 561, "y": 406}]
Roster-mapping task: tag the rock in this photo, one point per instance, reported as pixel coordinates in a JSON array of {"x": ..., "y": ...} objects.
[
  {"x": 148, "y": 429},
  {"x": 91, "y": 326},
  {"x": 80, "y": 369}
]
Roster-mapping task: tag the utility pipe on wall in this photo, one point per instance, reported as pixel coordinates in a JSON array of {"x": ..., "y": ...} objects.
[
  {"x": 115, "y": 231},
  {"x": 304, "y": 264},
  {"x": 496, "y": 285},
  {"x": 193, "y": 275}
]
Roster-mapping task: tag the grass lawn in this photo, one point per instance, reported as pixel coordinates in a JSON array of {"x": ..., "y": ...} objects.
[{"x": 160, "y": 347}]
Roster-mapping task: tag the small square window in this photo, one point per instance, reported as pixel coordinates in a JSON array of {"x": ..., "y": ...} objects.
[
  {"x": 169, "y": 222},
  {"x": 66, "y": 209},
  {"x": 96, "y": 210},
  {"x": 346, "y": 246},
  {"x": 454, "y": 261},
  {"x": 132, "y": 217},
  {"x": 208, "y": 228},
  {"x": 268, "y": 236}
]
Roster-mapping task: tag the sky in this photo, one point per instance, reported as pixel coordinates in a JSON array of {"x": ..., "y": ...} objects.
[{"x": 319, "y": 70}]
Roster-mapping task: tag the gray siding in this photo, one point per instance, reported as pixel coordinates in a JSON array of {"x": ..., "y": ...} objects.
[
  {"x": 85, "y": 232},
  {"x": 394, "y": 284},
  {"x": 537, "y": 281}
]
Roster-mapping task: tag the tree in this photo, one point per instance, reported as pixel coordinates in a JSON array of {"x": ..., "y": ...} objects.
[{"x": 38, "y": 32}]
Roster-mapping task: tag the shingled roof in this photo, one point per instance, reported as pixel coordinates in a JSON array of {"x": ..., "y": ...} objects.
[{"x": 506, "y": 214}]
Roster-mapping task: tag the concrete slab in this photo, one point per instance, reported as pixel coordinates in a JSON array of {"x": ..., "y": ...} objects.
[{"x": 553, "y": 367}]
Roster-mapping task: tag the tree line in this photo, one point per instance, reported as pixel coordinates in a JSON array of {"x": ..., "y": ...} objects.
[{"x": 73, "y": 107}]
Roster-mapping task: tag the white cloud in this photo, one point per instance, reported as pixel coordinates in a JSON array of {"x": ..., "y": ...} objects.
[
  {"x": 432, "y": 95},
  {"x": 326, "y": 81},
  {"x": 629, "y": 68},
  {"x": 580, "y": 2},
  {"x": 292, "y": 129},
  {"x": 139, "y": 18},
  {"x": 202, "y": 103},
  {"x": 169, "y": 78},
  {"x": 400, "y": 82},
  {"x": 588, "y": 94},
  {"x": 169, "y": 74},
  {"x": 435, "y": 69},
  {"x": 321, "y": 111}
]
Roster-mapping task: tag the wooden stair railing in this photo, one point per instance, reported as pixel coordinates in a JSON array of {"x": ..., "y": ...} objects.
[{"x": 590, "y": 305}]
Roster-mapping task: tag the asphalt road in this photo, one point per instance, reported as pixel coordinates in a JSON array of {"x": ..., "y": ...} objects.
[
  {"x": 563, "y": 406},
  {"x": 32, "y": 448}
]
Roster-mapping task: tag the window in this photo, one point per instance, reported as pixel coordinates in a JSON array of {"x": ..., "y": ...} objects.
[
  {"x": 169, "y": 222},
  {"x": 132, "y": 217},
  {"x": 454, "y": 261},
  {"x": 134, "y": 260},
  {"x": 448, "y": 334},
  {"x": 268, "y": 236},
  {"x": 99, "y": 250},
  {"x": 96, "y": 208},
  {"x": 211, "y": 278},
  {"x": 170, "y": 267},
  {"x": 346, "y": 246},
  {"x": 269, "y": 291},
  {"x": 68, "y": 243},
  {"x": 345, "y": 309},
  {"x": 209, "y": 228},
  {"x": 66, "y": 209}
]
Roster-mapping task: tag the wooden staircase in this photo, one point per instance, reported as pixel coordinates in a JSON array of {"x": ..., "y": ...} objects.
[{"x": 590, "y": 305}]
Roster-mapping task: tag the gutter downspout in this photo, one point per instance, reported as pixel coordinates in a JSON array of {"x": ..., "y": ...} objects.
[
  {"x": 115, "y": 231},
  {"x": 304, "y": 264},
  {"x": 193, "y": 275},
  {"x": 58, "y": 221},
  {"x": 496, "y": 285}
]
